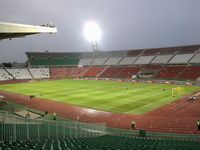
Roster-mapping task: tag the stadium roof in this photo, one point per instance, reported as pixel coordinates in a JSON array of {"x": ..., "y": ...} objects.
[{"x": 14, "y": 30}]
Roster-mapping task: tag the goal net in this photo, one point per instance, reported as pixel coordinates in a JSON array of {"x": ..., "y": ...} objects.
[{"x": 176, "y": 91}]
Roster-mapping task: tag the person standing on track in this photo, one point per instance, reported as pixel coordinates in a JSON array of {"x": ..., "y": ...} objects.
[
  {"x": 54, "y": 116},
  {"x": 133, "y": 124},
  {"x": 198, "y": 125}
]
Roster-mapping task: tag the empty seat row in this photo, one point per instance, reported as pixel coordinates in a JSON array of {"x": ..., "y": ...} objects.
[
  {"x": 103, "y": 143},
  {"x": 24, "y": 73},
  {"x": 142, "y": 60},
  {"x": 20, "y": 73},
  {"x": 5, "y": 75}
]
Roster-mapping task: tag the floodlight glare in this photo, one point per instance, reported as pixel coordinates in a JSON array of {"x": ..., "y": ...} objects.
[{"x": 92, "y": 31}]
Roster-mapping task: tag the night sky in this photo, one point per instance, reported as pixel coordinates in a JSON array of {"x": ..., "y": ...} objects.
[{"x": 125, "y": 24}]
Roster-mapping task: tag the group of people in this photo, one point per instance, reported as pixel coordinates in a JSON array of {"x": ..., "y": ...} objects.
[
  {"x": 192, "y": 98},
  {"x": 33, "y": 96}
]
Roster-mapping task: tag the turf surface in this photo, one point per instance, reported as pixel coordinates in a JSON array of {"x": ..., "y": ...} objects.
[{"x": 103, "y": 95}]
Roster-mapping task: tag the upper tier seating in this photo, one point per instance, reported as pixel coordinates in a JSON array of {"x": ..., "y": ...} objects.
[
  {"x": 144, "y": 60},
  {"x": 20, "y": 73},
  {"x": 104, "y": 54},
  {"x": 127, "y": 60},
  {"x": 71, "y": 61},
  {"x": 59, "y": 72},
  {"x": 195, "y": 59},
  {"x": 93, "y": 71},
  {"x": 53, "y": 58},
  {"x": 113, "y": 61},
  {"x": 170, "y": 72},
  {"x": 150, "y": 52},
  {"x": 40, "y": 73},
  {"x": 161, "y": 59},
  {"x": 4, "y": 75},
  {"x": 168, "y": 51},
  {"x": 190, "y": 73},
  {"x": 134, "y": 53},
  {"x": 54, "y": 61},
  {"x": 188, "y": 49},
  {"x": 85, "y": 61},
  {"x": 99, "y": 61},
  {"x": 86, "y": 55},
  {"x": 181, "y": 58}
]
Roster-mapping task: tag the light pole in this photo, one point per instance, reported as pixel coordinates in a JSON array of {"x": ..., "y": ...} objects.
[{"x": 92, "y": 33}]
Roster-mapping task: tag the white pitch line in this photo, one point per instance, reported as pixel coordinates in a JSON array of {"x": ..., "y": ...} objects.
[{"x": 179, "y": 105}]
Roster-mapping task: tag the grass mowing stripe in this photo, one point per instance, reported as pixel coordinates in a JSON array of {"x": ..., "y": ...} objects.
[{"x": 104, "y": 95}]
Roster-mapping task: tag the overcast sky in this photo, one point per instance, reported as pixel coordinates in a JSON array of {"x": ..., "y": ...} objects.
[{"x": 126, "y": 24}]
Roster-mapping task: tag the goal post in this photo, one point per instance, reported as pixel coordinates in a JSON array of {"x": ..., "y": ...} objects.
[{"x": 176, "y": 90}]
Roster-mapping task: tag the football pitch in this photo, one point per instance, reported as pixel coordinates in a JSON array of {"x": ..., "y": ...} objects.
[{"x": 112, "y": 96}]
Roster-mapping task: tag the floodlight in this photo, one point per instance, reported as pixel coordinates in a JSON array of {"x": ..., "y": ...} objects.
[{"x": 92, "y": 31}]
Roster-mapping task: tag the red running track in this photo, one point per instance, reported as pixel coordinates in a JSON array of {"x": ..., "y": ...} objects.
[{"x": 177, "y": 117}]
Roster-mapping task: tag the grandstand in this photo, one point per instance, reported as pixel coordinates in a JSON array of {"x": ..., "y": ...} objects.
[
  {"x": 19, "y": 73},
  {"x": 161, "y": 59},
  {"x": 104, "y": 142},
  {"x": 4, "y": 75},
  {"x": 40, "y": 73},
  {"x": 127, "y": 60},
  {"x": 173, "y": 62}
]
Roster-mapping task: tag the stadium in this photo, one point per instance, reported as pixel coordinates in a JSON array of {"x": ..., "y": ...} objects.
[
  {"x": 102, "y": 90},
  {"x": 146, "y": 98}
]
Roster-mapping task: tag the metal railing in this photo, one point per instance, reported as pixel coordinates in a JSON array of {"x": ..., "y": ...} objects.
[{"x": 14, "y": 128}]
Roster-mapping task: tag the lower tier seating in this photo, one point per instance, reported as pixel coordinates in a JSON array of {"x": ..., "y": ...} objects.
[
  {"x": 40, "y": 73},
  {"x": 179, "y": 72},
  {"x": 127, "y": 72},
  {"x": 170, "y": 72},
  {"x": 4, "y": 75},
  {"x": 20, "y": 73},
  {"x": 59, "y": 72},
  {"x": 77, "y": 72},
  {"x": 93, "y": 71},
  {"x": 111, "y": 72},
  {"x": 103, "y": 143},
  {"x": 190, "y": 73}
]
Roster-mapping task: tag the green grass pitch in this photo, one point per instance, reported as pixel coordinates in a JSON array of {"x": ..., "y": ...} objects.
[{"x": 110, "y": 96}]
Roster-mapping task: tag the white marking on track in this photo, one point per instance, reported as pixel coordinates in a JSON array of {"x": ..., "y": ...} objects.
[{"x": 179, "y": 105}]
